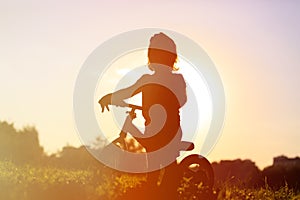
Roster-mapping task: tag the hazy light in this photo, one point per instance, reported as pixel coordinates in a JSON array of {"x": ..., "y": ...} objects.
[{"x": 121, "y": 67}]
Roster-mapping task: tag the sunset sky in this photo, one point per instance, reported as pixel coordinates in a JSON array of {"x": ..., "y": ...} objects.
[{"x": 255, "y": 46}]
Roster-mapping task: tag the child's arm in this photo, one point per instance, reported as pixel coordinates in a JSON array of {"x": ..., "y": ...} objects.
[{"x": 117, "y": 98}]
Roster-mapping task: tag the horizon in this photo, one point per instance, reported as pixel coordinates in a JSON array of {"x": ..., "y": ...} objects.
[
  {"x": 211, "y": 161},
  {"x": 255, "y": 47}
]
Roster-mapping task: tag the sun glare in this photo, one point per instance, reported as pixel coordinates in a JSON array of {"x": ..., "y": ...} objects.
[{"x": 126, "y": 69}]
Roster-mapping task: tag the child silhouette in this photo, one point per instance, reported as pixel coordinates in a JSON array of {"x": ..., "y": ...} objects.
[{"x": 163, "y": 94}]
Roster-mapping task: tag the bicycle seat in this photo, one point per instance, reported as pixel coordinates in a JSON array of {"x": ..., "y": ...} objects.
[{"x": 186, "y": 146}]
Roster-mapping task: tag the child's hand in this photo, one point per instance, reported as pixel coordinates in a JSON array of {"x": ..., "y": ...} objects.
[{"x": 105, "y": 101}]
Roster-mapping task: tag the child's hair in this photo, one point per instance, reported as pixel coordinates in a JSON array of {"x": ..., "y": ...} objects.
[{"x": 162, "y": 50}]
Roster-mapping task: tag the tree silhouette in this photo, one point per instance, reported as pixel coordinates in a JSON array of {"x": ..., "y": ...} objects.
[
  {"x": 237, "y": 172},
  {"x": 20, "y": 146}
]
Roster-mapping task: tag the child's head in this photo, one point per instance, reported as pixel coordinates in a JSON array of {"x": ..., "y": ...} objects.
[{"x": 162, "y": 50}]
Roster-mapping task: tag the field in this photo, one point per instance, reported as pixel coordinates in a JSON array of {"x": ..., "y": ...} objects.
[{"x": 31, "y": 183}]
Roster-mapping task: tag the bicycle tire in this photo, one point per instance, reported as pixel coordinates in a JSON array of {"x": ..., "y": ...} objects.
[{"x": 204, "y": 172}]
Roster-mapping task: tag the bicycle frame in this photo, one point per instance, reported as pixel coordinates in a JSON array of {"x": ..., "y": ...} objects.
[{"x": 205, "y": 174}]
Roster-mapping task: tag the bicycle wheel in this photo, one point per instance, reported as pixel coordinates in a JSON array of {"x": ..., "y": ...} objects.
[{"x": 198, "y": 177}]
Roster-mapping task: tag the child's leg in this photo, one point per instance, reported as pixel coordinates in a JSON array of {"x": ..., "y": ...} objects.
[{"x": 170, "y": 181}]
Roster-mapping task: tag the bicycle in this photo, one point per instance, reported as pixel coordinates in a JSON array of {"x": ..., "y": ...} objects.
[{"x": 195, "y": 173}]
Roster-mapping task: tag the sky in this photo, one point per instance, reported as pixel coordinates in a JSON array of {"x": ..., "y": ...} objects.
[{"x": 255, "y": 46}]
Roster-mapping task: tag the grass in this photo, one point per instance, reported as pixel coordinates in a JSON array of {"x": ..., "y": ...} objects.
[
  {"x": 32, "y": 183},
  {"x": 236, "y": 193}
]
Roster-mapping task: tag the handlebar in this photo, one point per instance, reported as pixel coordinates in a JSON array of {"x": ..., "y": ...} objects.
[
  {"x": 132, "y": 111},
  {"x": 135, "y": 107}
]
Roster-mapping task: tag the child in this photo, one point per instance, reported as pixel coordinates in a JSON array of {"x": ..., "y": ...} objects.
[{"x": 163, "y": 94}]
